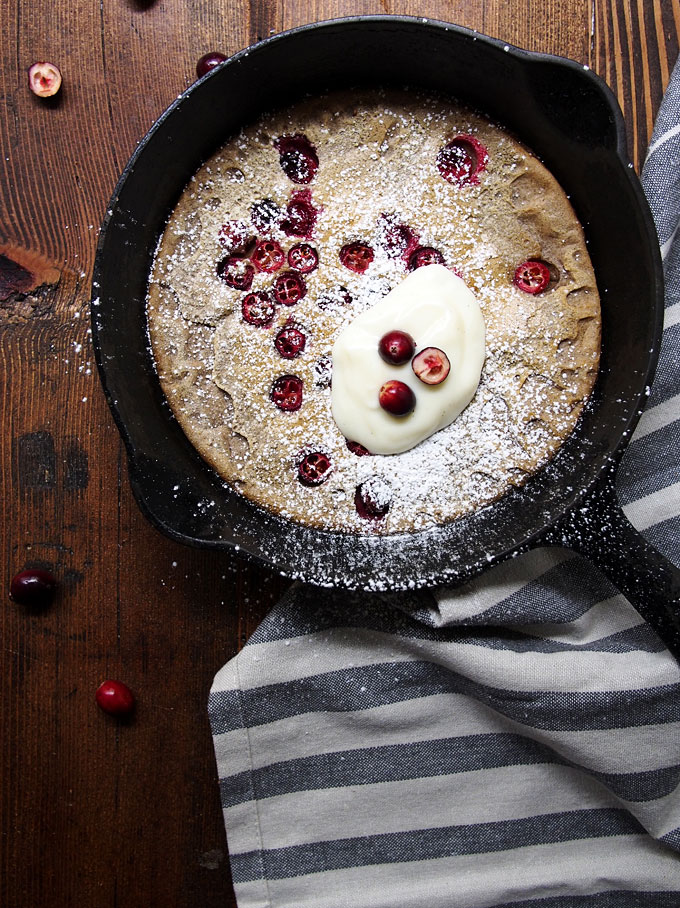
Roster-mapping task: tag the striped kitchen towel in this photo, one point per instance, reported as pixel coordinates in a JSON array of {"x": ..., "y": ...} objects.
[{"x": 514, "y": 742}]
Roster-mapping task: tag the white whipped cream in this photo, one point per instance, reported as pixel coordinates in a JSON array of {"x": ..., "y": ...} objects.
[{"x": 437, "y": 309}]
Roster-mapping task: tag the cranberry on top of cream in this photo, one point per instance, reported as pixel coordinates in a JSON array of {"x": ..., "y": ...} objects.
[{"x": 437, "y": 310}]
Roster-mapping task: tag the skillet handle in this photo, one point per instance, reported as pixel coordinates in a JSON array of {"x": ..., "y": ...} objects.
[{"x": 599, "y": 529}]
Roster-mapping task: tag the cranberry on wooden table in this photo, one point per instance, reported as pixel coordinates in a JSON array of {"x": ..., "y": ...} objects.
[
  {"x": 115, "y": 698},
  {"x": 33, "y": 587},
  {"x": 209, "y": 61}
]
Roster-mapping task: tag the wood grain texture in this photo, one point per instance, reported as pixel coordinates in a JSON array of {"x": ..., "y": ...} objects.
[{"x": 95, "y": 812}]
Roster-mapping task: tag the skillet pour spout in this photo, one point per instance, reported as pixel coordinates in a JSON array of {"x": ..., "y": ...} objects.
[{"x": 571, "y": 120}]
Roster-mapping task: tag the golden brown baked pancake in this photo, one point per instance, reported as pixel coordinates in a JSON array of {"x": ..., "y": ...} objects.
[{"x": 382, "y": 181}]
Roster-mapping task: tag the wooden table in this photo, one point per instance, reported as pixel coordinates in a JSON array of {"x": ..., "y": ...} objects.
[{"x": 97, "y": 812}]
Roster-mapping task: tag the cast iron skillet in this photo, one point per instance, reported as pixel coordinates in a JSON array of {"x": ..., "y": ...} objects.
[{"x": 572, "y": 121}]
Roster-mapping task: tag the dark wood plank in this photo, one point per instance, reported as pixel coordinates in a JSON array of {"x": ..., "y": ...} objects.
[{"x": 97, "y": 812}]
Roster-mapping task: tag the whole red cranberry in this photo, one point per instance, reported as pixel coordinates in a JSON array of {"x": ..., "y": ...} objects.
[
  {"x": 115, "y": 697},
  {"x": 209, "y": 61},
  {"x": 33, "y": 587},
  {"x": 431, "y": 365},
  {"x": 397, "y": 398},
  {"x": 396, "y": 347},
  {"x": 44, "y": 79}
]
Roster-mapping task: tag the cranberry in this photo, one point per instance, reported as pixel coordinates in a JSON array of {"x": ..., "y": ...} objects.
[
  {"x": 303, "y": 258},
  {"x": 424, "y": 255},
  {"x": 356, "y": 448},
  {"x": 298, "y": 157},
  {"x": 532, "y": 276},
  {"x": 235, "y": 238},
  {"x": 290, "y": 342},
  {"x": 267, "y": 256},
  {"x": 258, "y": 309},
  {"x": 33, "y": 587},
  {"x": 44, "y": 79},
  {"x": 115, "y": 698},
  {"x": 286, "y": 392},
  {"x": 462, "y": 159},
  {"x": 301, "y": 215},
  {"x": 289, "y": 288},
  {"x": 265, "y": 215},
  {"x": 314, "y": 468},
  {"x": 356, "y": 256},
  {"x": 235, "y": 272},
  {"x": 398, "y": 240},
  {"x": 323, "y": 372},
  {"x": 209, "y": 61},
  {"x": 334, "y": 298},
  {"x": 431, "y": 365},
  {"x": 396, "y": 347},
  {"x": 397, "y": 398},
  {"x": 372, "y": 498}
]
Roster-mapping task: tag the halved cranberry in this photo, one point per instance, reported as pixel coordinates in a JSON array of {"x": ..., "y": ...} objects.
[
  {"x": 532, "y": 276},
  {"x": 265, "y": 215},
  {"x": 267, "y": 256},
  {"x": 396, "y": 347},
  {"x": 424, "y": 255},
  {"x": 33, "y": 587},
  {"x": 258, "y": 309},
  {"x": 431, "y": 365},
  {"x": 314, "y": 468},
  {"x": 397, "y": 240},
  {"x": 356, "y": 256},
  {"x": 298, "y": 157},
  {"x": 372, "y": 498},
  {"x": 334, "y": 298},
  {"x": 290, "y": 342},
  {"x": 462, "y": 159},
  {"x": 286, "y": 392},
  {"x": 397, "y": 398},
  {"x": 115, "y": 697},
  {"x": 235, "y": 272},
  {"x": 289, "y": 288},
  {"x": 301, "y": 215},
  {"x": 235, "y": 237},
  {"x": 356, "y": 448},
  {"x": 44, "y": 79},
  {"x": 303, "y": 258},
  {"x": 209, "y": 61}
]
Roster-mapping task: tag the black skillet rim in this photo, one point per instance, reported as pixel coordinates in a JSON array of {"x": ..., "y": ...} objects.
[{"x": 279, "y": 544}]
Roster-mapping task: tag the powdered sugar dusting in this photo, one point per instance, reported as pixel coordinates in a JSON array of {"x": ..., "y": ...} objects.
[{"x": 377, "y": 157}]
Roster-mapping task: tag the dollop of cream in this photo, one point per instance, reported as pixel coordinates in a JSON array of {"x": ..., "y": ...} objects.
[{"x": 437, "y": 309}]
